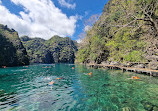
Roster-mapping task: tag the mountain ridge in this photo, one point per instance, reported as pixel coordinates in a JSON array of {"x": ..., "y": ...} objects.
[
  {"x": 55, "y": 50},
  {"x": 12, "y": 50}
]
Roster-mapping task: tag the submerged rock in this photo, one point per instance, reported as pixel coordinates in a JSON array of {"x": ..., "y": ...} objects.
[
  {"x": 155, "y": 108},
  {"x": 7, "y": 98},
  {"x": 149, "y": 106},
  {"x": 126, "y": 109}
]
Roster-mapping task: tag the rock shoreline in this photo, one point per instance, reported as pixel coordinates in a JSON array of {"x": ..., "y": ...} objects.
[{"x": 137, "y": 68}]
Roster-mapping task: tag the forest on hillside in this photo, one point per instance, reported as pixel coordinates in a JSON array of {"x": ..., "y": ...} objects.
[
  {"x": 55, "y": 50},
  {"x": 12, "y": 51},
  {"x": 127, "y": 31},
  {"x": 19, "y": 51}
]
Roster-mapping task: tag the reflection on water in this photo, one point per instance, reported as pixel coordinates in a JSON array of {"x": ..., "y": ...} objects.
[{"x": 28, "y": 89}]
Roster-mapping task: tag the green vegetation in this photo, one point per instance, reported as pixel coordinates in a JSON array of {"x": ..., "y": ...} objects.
[
  {"x": 55, "y": 50},
  {"x": 12, "y": 51},
  {"x": 127, "y": 31}
]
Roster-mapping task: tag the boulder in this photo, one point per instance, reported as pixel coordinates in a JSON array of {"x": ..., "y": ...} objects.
[
  {"x": 139, "y": 66},
  {"x": 115, "y": 63},
  {"x": 154, "y": 65}
]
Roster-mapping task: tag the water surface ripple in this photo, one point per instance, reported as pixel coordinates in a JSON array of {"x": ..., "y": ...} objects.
[{"x": 28, "y": 89}]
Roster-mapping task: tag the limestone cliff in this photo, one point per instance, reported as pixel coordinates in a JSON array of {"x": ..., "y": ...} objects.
[{"x": 12, "y": 52}]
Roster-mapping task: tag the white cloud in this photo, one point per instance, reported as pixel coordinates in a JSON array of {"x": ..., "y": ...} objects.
[
  {"x": 67, "y": 4},
  {"x": 40, "y": 19},
  {"x": 87, "y": 28},
  {"x": 79, "y": 40}
]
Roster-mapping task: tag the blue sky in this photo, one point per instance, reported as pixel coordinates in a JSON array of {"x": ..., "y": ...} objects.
[{"x": 48, "y": 17}]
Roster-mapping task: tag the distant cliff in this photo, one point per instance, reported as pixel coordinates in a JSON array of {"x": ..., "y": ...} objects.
[
  {"x": 127, "y": 31},
  {"x": 12, "y": 52},
  {"x": 55, "y": 50}
]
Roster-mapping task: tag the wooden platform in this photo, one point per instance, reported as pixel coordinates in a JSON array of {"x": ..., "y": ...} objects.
[{"x": 146, "y": 71}]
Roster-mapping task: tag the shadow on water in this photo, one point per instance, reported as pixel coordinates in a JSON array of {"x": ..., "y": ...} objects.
[{"x": 28, "y": 89}]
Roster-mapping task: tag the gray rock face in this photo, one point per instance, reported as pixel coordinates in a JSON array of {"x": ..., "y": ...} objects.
[
  {"x": 154, "y": 65},
  {"x": 12, "y": 52},
  {"x": 139, "y": 66},
  {"x": 55, "y": 50},
  {"x": 115, "y": 63}
]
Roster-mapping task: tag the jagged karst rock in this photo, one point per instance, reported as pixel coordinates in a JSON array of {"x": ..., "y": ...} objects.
[
  {"x": 12, "y": 51},
  {"x": 139, "y": 66},
  {"x": 55, "y": 50},
  {"x": 123, "y": 33}
]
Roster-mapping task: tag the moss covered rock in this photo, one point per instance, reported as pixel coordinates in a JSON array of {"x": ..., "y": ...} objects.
[
  {"x": 123, "y": 33},
  {"x": 12, "y": 51},
  {"x": 55, "y": 50}
]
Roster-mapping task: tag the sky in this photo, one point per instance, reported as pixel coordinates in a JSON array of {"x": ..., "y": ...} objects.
[{"x": 46, "y": 18}]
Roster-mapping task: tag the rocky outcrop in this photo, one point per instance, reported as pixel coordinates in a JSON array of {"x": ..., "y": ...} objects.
[
  {"x": 12, "y": 51},
  {"x": 55, "y": 50},
  {"x": 124, "y": 33}
]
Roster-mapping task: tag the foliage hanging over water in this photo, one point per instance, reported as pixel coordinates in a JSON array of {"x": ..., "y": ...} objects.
[{"x": 126, "y": 31}]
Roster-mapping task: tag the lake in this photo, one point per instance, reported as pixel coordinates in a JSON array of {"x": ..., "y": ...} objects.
[{"x": 29, "y": 89}]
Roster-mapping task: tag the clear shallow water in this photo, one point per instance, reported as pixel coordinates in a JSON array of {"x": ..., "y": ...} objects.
[{"x": 27, "y": 89}]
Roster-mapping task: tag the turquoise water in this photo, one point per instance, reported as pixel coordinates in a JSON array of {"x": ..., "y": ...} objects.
[{"x": 28, "y": 89}]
